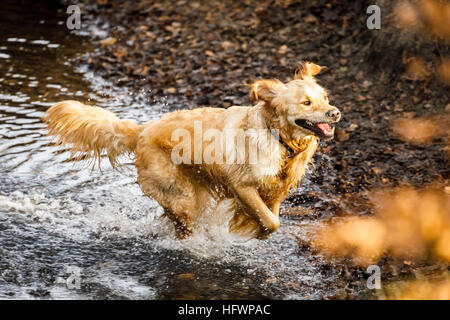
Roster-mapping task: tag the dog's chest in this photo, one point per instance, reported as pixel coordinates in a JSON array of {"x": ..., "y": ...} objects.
[
  {"x": 289, "y": 174},
  {"x": 277, "y": 183}
]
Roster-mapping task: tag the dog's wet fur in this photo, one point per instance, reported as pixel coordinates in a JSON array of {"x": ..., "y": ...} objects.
[{"x": 298, "y": 109}]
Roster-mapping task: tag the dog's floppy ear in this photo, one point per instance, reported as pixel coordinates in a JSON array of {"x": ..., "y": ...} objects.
[
  {"x": 265, "y": 90},
  {"x": 307, "y": 70}
]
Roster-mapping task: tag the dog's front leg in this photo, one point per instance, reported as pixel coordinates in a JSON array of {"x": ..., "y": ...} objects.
[
  {"x": 275, "y": 203},
  {"x": 250, "y": 199},
  {"x": 275, "y": 208}
]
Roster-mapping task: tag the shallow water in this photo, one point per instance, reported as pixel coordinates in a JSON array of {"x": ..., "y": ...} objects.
[{"x": 69, "y": 233}]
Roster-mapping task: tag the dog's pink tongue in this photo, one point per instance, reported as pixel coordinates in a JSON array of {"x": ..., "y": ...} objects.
[{"x": 324, "y": 127}]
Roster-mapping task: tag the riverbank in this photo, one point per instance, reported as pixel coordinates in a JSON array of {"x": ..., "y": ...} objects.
[{"x": 193, "y": 54}]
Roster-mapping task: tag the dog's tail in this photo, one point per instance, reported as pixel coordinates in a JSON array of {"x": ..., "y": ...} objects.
[{"x": 91, "y": 131}]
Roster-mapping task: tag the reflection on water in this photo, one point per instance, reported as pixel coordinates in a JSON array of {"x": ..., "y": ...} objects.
[{"x": 55, "y": 216}]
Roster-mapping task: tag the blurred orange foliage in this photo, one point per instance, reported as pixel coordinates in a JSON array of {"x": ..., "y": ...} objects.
[
  {"x": 417, "y": 68},
  {"x": 436, "y": 16},
  {"x": 431, "y": 18},
  {"x": 445, "y": 71},
  {"x": 421, "y": 290},
  {"x": 428, "y": 16},
  {"x": 417, "y": 130},
  {"x": 407, "y": 224}
]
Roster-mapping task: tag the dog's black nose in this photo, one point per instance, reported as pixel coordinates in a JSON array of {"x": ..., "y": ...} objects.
[{"x": 333, "y": 114}]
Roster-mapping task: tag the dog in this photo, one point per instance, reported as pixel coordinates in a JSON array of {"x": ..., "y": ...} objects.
[{"x": 298, "y": 112}]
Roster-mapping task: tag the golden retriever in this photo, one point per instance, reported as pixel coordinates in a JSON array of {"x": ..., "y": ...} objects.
[{"x": 189, "y": 159}]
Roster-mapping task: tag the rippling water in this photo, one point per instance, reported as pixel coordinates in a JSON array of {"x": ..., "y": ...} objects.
[{"x": 59, "y": 220}]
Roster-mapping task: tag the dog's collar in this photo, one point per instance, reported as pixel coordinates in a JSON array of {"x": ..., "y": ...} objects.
[
  {"x": 289, "y": 149},
  {"x": 291, "y": 152}
]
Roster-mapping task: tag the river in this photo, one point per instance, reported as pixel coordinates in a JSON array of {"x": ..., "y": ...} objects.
[{"x": 69, "y": 233}]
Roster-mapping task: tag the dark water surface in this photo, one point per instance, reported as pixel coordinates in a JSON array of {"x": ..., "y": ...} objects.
[{"x": 67, "y": 232}]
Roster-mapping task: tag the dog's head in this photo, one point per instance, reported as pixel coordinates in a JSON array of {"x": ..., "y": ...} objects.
[{"x": 300, "y": 107}]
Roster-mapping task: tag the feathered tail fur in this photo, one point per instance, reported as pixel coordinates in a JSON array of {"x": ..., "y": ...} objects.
[{"x": 91, "y": 131}]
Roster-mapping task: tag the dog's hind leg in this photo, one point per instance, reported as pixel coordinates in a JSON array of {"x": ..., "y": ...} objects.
[
  {"x": 181, "y": 228},
  {"x": 175, "y": 196},
  {"x": 172, "y": 187}
]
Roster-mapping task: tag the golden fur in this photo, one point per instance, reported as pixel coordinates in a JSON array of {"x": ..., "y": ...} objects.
[{"x": 184, "y": 190}]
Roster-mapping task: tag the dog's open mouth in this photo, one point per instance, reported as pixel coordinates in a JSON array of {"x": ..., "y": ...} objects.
[{"x": 320, "y": 129}]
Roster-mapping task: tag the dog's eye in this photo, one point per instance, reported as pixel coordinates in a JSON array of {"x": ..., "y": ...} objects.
[{"x": 307, "y": 103}]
